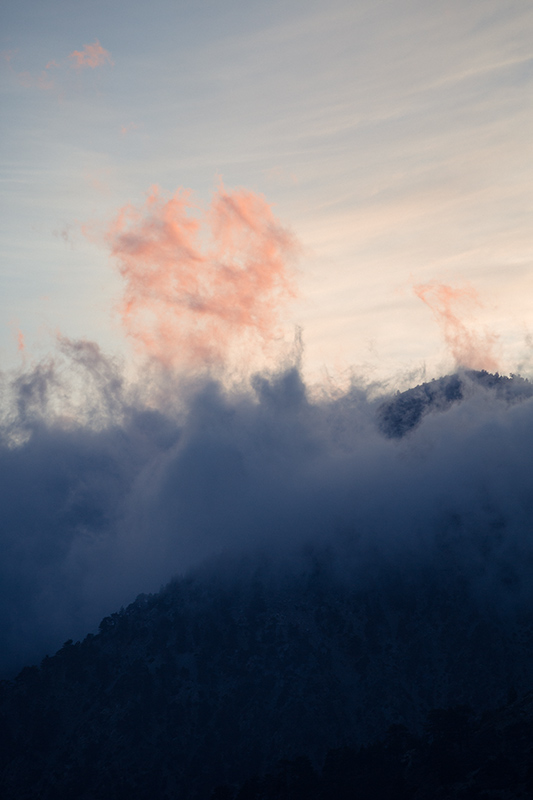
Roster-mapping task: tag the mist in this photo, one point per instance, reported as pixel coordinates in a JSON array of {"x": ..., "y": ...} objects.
[
  {"x": 111, "y": 486},
  {"x": 117, "y": 477}
]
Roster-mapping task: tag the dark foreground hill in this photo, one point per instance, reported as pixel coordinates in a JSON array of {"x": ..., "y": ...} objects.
[
  {"x": 456, "y": 756},
  {"x": 213, "y": 681}
]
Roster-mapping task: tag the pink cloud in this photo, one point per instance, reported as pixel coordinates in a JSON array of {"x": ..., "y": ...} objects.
[
  {"x": 469, "y": 348},
  {"x": 194, "y": 285},
  {"x": 131, "y": 126},
  {"x": 25, "y": 78},
  {"x": 19, "y": 339},
  {"x": 41, "y": 81},
  {"x": 8, "y": 55},
  {"x": 92, "y": 55}
]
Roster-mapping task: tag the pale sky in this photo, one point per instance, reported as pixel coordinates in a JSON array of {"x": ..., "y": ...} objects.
[{"x": 394, "y": 139}]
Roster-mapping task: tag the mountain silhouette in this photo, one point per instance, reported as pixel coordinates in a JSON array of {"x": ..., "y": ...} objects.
[{"x": 269, "y": 655}]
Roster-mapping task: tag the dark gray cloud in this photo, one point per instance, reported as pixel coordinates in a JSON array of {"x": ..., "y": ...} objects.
[{"x": 110, "y": 489}]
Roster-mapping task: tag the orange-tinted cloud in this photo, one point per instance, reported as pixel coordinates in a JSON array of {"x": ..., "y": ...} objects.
[
  {"x": 19, "y": 339},
  {"x": 25, "y": 78},
  {"x": 131, "y": 126},
  {"x": 8, "y": 55},
  {"x": 469, "y": 348},
  {"x": 195, "y": 284},
  {"x": 92, "y": 55},
  {"x": 41, "y": 81}
]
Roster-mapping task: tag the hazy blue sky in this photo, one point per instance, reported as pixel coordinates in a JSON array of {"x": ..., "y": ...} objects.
[{"x": 395, "y": 140}]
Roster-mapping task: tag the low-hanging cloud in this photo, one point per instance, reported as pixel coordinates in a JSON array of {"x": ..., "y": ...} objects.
[
  {"x": 109, "y": 488},
  {"x": 196, "y": 284},
  {"x": 111, "y": 485},
  {"x": 469, "y": 348}
]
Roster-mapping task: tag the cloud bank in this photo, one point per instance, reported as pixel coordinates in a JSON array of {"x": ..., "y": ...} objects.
[
  {"x": 110, "y": 484},
  {"x": 110, "y": 488}
]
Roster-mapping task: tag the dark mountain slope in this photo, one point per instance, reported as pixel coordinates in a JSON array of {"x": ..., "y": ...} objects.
[
  {"x": 213, "y": 680},
  {"x": 457, "y": 757}
]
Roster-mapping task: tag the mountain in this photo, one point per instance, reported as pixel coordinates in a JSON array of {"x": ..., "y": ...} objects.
[
  {"x": 401, "y": 413},
  {"x": 456, "y": 756},
  {"x": 289, "y": 652},
  {"x": 215, "y": 679}
]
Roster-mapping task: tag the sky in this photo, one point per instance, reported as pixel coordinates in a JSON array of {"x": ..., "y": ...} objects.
[
  {"x": 391, "y": 143},
  {"x": 228, "y": 229}
]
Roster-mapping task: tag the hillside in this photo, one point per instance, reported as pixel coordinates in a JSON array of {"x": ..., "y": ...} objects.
[
  {"x": 379, "y": 569},
  {"x": 213, "y": 680}
]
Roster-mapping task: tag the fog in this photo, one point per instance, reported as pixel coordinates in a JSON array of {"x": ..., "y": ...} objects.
[{"x": 112, "y": 485}]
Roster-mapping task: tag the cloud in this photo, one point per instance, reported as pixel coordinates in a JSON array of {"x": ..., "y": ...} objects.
[
  {"x": 110, "y": 487},
  {"x": 469, "y": 348},
  {"x": 41, "y": 81},
  {"x": 131, "y": 126},
  {"x": 20, "y": 340},
  {"x": 8, "y": 55},
  {"x": 113, "y": 482},
  {"x": 92, "y": 56},
  {"x": 197, "y": 284}
]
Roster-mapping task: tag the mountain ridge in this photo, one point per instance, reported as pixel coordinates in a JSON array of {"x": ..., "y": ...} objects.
[{"x": 266, "y": 653}]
